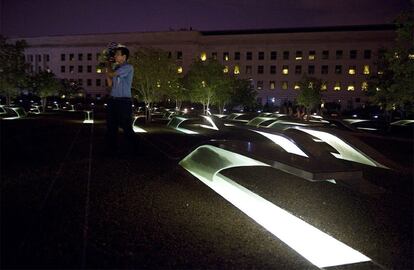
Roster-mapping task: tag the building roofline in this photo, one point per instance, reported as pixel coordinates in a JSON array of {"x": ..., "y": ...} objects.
[{"x": 345, "y": 28}]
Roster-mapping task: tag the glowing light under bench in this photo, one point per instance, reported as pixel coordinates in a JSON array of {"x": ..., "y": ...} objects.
[
  {"x": 88, "y": 118},
  {"x": 316, "y": 246}
]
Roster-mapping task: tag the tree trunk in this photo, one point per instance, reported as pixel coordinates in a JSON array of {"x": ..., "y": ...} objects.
[
  {"x": 8, "y": 100},
  {"x": 148, "y": 113},
  {"x": 44, "y": 103}
]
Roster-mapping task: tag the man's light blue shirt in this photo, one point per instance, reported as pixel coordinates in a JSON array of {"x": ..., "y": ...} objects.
[{"x": 122, "y": 82}]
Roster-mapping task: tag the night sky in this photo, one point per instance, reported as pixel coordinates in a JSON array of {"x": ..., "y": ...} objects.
[{"x": 26, "y": 18}]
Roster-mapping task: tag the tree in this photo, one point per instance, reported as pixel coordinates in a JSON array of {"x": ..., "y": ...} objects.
[
  {"x": 310, "y": 93},
  {"x": 178, "y": 92},
  {"x": 208, "y": 84},
  {"x": 12, "y": 68},
  {"x": 393, "y": 86},
  {"x": 45, "y": 84},
  {"x": 154, "y": 75},
  {"x": 243, "y": 93},
  {"x": 70, "y": 89}
]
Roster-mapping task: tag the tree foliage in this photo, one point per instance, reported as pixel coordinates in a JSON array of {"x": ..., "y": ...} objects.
[
  {"x": 45, "y": 84},
  {"x": 243, "y": 93},
  {"x": 12, "y": 68},
  {"x": 155, "y": 74},
  {"x": 208, "y": 84},
  {"x": 393, "y": 85},
  {"x": 310, "y": 93}
]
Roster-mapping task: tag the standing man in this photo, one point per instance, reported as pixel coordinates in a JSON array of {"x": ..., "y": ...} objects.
[{"x": 119, "y": 109}]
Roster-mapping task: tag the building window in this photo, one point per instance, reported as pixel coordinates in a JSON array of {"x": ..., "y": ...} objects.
[
  {"x": 71, "y": 57},
  {"x": 80, "y": 56},
  {"x": 71, "y": 69},
  {"x": 97, "y": 56},
  {"x": 350, "y": 87},
  {"x": 285, "y": 70},
  {"x": 324, "y": 69},
  {"x": 236, "y": 69},
  {"x": 337, "y": 86},
  {"x": 89, "y": 69},
  {"x": 89, "y": 56},
  {"x": 298, "y": 69},
  {"x": 260, "y": 56},
  {"x": 259, "y": 85},
  {"x": 80, "y": 69},
  {"x": 339, "y": 54},
  {"x": 325, "y": 55},
  {"x": 353, "y": 54},
  {"x": 203, "y": 56},
  {"x": 286, "y": 55},
  {"x": 260, "y": 69},
  {"x": 47, "y": 58},
  {"x": 272, "y": 85},
  {"x": 248, "y": 69},
  {"x": 296, "y": 86},
  {"x": 367, "y": 54},
  {"x": 226, "y": 56},
  {"x": 352, "y": 70},
  {"x": 98, "y": 82},
  {"x": 169, "y": 55},
  {"x": 62, "y": 69},
  {"x": 214, "y": 55},
  {"x": 80, "y": 82},
  {"x": 311, "y": 69},
  {"x": 249, "y": 55},
  {"x": 180, "y": 70},
  {"x": 338, "y": 69},
  {"x": 88, "y": 82},
  {"x": 226, "y": 69},
  {"x": 179, "y": 55},
  {"x": 273, "y": 55},
  {"x": 299, "y": 55},
  {"x": 324, "y": 87},
  {"x": 237, "y": 56},
  {"x": 311, "y": 55},
  {"x": 364, "y": 86},
  {"x": 285, "y": 85},
  {"x": 39, "y": 58},
  {"x": 366, "y": 70},
  {"x": 272, "y": 69}
]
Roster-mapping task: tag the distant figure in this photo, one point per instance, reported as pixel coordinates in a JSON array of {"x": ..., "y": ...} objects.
[{"x": 119, "y": 109}]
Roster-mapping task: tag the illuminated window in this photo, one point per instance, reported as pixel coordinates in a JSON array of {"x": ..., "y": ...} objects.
[
  {"x": 324, "y": 87},
  {"x": 285, "y": 70},
  {"x": 226, "y": 69},
  {"x": 260, "y": 56},
  {"x": 411, "y": 56},
  {"x": 273, "y": 55},
  {"x": 259, "y": 85},
  {"x": 203, "y": 56},
  {"x": 366, "y": 70},
  {"x": 260, "y": 69},
  {"x": 180, "y": 70},
  {"x": 364, "y": 86},
  {"x": 226, "y": 56},
  {"x": 286, "y": 55},
  {"x": 299, "y": 55},
  {"x": 285, "y": 85},
  {"x": 311, "y": 55},
  {"x": 352, "y": 70},
  {"x": 236, "y": 69},
  {"x": 297, "y": 86},
  {"x": 298, "y": 69},
  {"x": 203, "y": 83},
  {"x": 272, "y": 84},
  {"x": 351, "y": 87},
  {"x": 272, "y": 69},
  {"x": 337, "y": 86}
]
